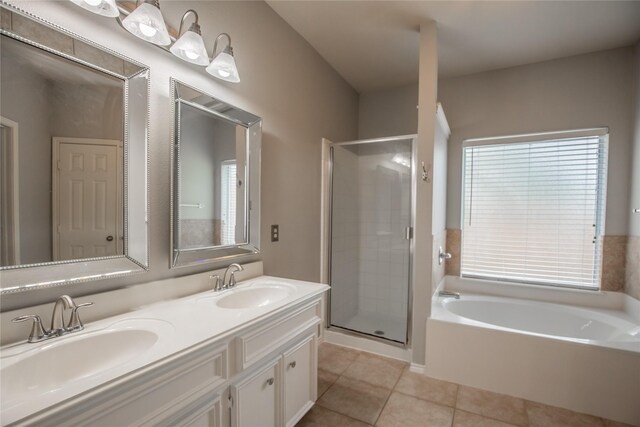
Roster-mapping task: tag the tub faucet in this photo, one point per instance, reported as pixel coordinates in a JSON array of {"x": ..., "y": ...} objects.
[
  {"x": 232, "y": 269},
  {"x": 455, "y": 295}
]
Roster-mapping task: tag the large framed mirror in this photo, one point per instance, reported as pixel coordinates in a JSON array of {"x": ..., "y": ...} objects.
[
  {"x": 216, "y": 179},
  {"x": 73, "y": 157}
]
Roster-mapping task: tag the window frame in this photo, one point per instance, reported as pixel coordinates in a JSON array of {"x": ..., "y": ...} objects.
[{"x": 600, "y": 132}]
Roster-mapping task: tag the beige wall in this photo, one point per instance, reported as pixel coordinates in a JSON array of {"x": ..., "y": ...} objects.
[
  {"x": 632, "y": 278},
  {"x": 299, "y": 96},
  {"x": 634, "y": 189},
  {"x": 389, "y": 112},
  {"x": 578, "y": 92},
  {"x": 425, "y": 152},
  {"x": 25, "y": 94},
  {"x": 86, "y": 111}
]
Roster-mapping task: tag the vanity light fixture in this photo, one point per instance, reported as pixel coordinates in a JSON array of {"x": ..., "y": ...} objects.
[
  {"x": 223, "y": 65},
  {"x": 190, "y": 46},
  {"x": 147, "y": 23},
  {"x": 100, "y": 7}
]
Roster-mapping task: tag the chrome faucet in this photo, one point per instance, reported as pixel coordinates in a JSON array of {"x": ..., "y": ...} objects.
[
  {"x": 57, "y": 320},
  {"x": 455, "y": 295},
  {"x": 442, "y": 255},
  {"x": 58, "y": 327},
  {"x": 232, "y": 269}
]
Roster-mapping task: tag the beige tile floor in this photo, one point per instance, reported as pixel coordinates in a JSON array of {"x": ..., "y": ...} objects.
[{"x": 358, "y": 389}]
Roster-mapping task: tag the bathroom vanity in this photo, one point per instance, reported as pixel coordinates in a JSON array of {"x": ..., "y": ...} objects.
[{"x": 240, "y": 357}]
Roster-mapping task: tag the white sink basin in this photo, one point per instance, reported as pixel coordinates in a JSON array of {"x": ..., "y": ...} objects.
[
  {"x": 61, "y": 360},
  {"x": 255, "y": 296}
]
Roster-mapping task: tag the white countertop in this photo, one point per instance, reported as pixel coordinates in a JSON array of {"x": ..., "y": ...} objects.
[{"x": 179, "y": 324}]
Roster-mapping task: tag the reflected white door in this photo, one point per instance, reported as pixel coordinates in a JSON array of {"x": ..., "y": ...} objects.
[{"x": 87, "y": 210}]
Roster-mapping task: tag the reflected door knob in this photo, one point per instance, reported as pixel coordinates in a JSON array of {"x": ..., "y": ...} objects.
[{"x": 109, "y": 238}]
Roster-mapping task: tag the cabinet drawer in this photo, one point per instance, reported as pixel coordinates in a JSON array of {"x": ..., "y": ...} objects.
[
  {"x": 257, "y": 343},
  {"x": 152, "y": 396}
]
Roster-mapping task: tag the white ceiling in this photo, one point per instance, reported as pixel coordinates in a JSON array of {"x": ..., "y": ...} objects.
[{"x": 374, "y": 44}]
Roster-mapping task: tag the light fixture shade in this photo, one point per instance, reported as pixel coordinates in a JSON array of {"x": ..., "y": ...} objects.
[
  {"x": 100, "y": 7},
  {"x": 190, "y": 47},
  {"x": 147, "y": 23},
  {"x": 224, "y": 67}
]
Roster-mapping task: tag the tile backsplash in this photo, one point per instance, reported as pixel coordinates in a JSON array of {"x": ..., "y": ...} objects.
[
  {"x": 614, "y": 250},
  {"x": 620, "y": 261},
  {"x": 632, "y": 272}
]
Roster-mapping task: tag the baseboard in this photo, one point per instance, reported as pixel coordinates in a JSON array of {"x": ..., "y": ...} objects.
[
  {"x": 370, "y": 346},
  {"x": 417, "y": 368}
]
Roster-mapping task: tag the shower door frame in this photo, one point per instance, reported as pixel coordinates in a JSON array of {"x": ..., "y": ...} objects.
[{"x": 412, "y": 210}]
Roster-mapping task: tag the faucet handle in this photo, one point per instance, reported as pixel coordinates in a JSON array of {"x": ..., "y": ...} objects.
[
  {"x": 442, "y": 255},
  {"x": 37, "y": 330},
  {"x": 216, "y": 282},
  {"x": 75, "y": 324}
]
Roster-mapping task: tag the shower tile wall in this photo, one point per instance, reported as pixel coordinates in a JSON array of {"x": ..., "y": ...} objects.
[
  {"x": 369, "y": 251},
  {"x": 384, "y": 214},
  {"x": 345, "y": 243}
]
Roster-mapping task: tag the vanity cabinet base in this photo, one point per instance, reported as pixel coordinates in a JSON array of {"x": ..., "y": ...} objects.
[{"x": 207, "y": 385}]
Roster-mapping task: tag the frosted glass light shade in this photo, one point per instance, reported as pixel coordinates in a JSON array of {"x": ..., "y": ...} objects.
[
  {"x": 190, "y": 47},
  {"x": 224, "y": 67},
  {"x": 147, "y": 23},
  {"x": 100, "y": 7}
]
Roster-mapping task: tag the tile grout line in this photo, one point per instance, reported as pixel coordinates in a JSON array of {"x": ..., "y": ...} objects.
[
  {"x": 526, "y": 413},
  {"x": 348, "y": 416},
  {"x": 455, "y": 403},
  {"x": 455, "y": 407},
  {"x": 388, "y": 397},
  {"x": 327, "y": 389}
]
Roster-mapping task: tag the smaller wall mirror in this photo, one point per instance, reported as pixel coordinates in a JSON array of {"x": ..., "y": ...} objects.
[{"x": 216, "y": 179}]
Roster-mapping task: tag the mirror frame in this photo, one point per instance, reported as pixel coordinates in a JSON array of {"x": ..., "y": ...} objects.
[
  {"x": 253, "y": 126},
  {"x": 135, "y": 76}
]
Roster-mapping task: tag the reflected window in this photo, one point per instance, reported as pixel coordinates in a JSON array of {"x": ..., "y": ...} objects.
[{"x": 228, "y": 202}]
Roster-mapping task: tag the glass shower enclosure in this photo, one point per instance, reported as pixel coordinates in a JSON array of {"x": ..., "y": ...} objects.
[{"x": 371, "y": 199}]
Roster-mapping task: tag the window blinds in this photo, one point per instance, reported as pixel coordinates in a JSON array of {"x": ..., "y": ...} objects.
[
  {"x": 228, "y": 207},
  {"x": 533, "y": 212}
]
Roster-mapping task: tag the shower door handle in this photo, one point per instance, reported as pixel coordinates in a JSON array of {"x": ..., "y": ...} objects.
[{"x": 408, "y": 233}]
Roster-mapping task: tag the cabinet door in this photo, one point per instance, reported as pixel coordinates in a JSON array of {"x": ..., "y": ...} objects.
[
  {"x": 300, "y": 378},
  {"x": 256, "y": 399},
  {"x": 205, "y": 411}
]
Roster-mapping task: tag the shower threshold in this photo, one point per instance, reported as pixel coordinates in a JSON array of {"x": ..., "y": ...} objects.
[{"x": 376, "y": 326}]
